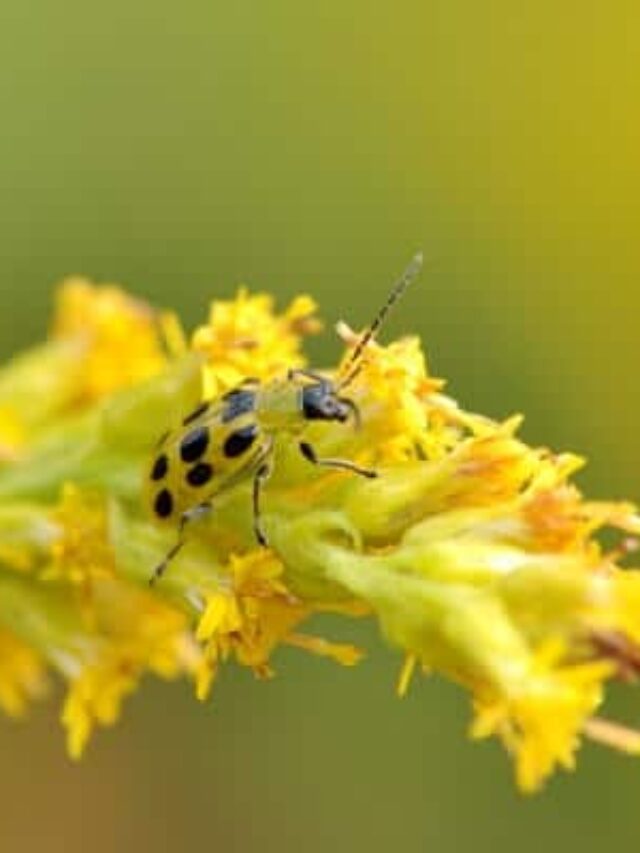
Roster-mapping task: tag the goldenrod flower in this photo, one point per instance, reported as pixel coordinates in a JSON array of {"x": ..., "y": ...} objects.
[
  {"x": 22, "y": 675},
  {"x": 475, "y": 553},
  {"x": 245, "y": 338}
]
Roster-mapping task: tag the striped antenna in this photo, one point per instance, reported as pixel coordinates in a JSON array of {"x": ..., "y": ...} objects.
[{"x": 353, "y": 365}]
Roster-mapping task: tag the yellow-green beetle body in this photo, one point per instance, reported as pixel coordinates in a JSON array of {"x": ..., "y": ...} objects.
[{"x": 229, "y": 441}]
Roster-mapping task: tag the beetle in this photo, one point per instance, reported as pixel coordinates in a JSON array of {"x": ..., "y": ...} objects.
[{"x": 227, "y": 441}]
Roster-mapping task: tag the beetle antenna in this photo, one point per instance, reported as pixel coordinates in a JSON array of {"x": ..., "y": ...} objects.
[{"x": 353, "y": 365}]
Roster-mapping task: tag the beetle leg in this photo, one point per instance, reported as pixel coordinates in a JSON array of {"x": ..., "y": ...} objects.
[
  {"x": 260, "y": 477},
  {"x": 344, "y": 464},
  {"x": 189, "y": 515}
]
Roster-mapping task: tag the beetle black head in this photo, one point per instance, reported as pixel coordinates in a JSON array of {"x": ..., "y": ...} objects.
[{"x": 321, "y": 403}]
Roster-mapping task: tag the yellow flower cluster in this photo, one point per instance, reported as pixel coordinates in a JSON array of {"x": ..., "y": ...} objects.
[
  {"x": 475, "y": 553},
  {"x": 245, "y": 338}
]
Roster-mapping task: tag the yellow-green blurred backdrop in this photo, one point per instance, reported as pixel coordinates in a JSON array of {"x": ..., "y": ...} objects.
[{"x": 182, "y": 148}]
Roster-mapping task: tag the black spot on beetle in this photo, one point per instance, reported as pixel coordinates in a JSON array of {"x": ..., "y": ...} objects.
[
  {"x": 196, "y": 413},
  {"x": 194, "y": 444},
  {"x": 160, "y": 467},
  {"x": 240, "y": 441},
  {"x": 200, "y": 474},
  {"x": 163, "y": 505},
  {"x": 237, "y": 403}
]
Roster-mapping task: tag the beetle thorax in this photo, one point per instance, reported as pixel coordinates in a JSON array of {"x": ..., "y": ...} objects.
[{"x": 278, "y": 406}]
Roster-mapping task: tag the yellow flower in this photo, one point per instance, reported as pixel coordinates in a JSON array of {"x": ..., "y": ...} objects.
[
  {"x": 474, "y": 552},
  {"x": 12, "y": 437},
  {"x": 392, "y": 389},
  {"x": 116, "y": 337},
  {"x": 102, "y": 341},
  {"x": 244, "y": 338},
  {"x": 100, "y": 632},
  {"x": 250, "y": 615},
  {"x": 540, "y": 723},
  {"x": 81, "y": 551},
  {"x": 132, "y": 635},
  {"x": 22, "y": 675}
]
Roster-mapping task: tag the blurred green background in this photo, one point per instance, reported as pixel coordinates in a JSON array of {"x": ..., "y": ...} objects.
[{"x": 183, "y": 148}]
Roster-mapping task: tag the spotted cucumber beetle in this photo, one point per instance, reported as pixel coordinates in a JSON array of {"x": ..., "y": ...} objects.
[{"x": 228, "y": 441}]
